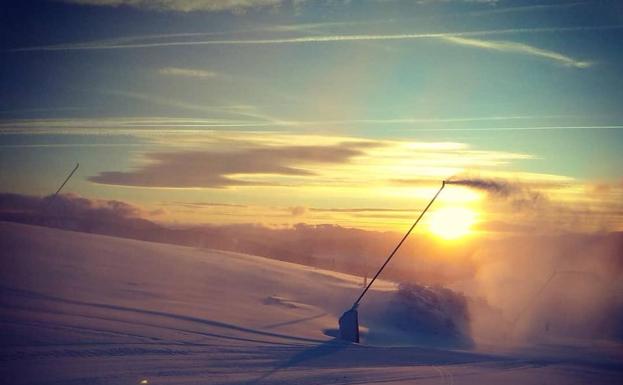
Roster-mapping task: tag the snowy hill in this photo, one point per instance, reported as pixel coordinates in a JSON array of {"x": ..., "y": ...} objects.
[{"x": 88, "y": 309}]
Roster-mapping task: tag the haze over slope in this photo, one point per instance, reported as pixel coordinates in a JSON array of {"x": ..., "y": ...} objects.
[{"x": 80, "y": 308}]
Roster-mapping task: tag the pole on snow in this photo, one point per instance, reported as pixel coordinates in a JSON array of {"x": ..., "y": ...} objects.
[
  {"x": 349, "y": 321},
  {"x": 66, "y": 180},
  {"x": 62, "y": 185}
]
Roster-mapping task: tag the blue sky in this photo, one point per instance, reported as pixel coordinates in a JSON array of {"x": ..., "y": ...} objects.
[{"x": 527, "y": 91}]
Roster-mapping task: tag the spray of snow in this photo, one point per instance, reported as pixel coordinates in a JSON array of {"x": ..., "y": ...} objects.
[
  {"x": 549, "y": 284},
  {"x": 420, "y": 315},
  {"x": 559, "y": 287},
  {"x": 496, "y": 187}
]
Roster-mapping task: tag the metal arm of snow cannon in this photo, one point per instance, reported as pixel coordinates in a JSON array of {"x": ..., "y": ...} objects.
[
  {"x": 356, "y": 304},
  {"x": 66, "y": 179},
  {"x": 61, "y": 187},
  {"x": 349, "y": 323}
]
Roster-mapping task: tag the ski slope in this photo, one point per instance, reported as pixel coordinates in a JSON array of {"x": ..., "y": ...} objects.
[{"x": 88, "y": 309}]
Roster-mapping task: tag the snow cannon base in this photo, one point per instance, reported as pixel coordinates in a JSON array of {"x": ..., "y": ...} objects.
[{"x": 349, "y": 326}]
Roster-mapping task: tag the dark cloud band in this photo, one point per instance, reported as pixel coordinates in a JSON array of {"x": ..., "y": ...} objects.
[{"x": 217, "y": 169}]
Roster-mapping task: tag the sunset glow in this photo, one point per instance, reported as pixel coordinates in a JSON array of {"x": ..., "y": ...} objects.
[
  {"x": 241, "y": 191},
  {"x": 452, "y": 223},
  {"x": 235, "y": 113}
]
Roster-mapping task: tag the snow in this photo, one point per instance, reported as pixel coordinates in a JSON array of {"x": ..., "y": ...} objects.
[{"x": 88, "y": 309}]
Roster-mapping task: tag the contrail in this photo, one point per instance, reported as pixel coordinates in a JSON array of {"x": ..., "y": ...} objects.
[
  {"x": 312, "y": 39},
  {"x": 514, "y": 47}
]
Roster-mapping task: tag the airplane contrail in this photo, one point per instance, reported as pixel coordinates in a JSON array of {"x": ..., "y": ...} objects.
[{"x": 310, "y": 39}]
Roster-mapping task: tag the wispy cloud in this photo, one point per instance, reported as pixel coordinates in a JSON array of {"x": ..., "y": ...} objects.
[
  {"x": 163, "y": 126},
  {"x": 236, "y": 6},
  {"x": 217, "y": 169},
  {"x": 360, "y": 209},
  {"x": 518, "y": 48},
  {"x": 465, "y": 38},
  {"x": 269, "y": 159},
  {"x": 102, "y": 45},
  {"x": 185, "y": 5},
  {"x": 248, "y": 111},
  {"x": 240, "y": 6},
  {"x": 527, "y": 8},
  {"x": 188, "y": 72},
  {"x": 69, "y": 145}
]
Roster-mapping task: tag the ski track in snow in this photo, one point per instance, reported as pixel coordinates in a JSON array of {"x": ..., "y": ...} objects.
[{"x": 84, "y": 309}]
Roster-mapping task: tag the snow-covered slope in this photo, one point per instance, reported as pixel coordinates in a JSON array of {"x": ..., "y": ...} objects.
[{"x": 87, "y": 309}]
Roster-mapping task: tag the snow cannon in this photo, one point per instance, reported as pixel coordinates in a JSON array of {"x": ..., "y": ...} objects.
[
  {"x": 349, "y": 321},
  {"x": 349, "y": 326}
]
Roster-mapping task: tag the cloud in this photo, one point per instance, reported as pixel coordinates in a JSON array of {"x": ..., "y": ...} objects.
[
  {"x": 301, "y": 242},
  {"x": 187, "y": 72},
  {"x": 236, "y": 6},
  {"x": 463, "y": 38},
  {"x": 519, "y": 48},
  {"x": 531, "y": 286},
  {"x": 68, "y": 204},
  {"x": 528, "y": 8},
  {"x": 298, "y": 211},
  {"x": 73, "y": 212},
  {"x": 546, "y": 206},
  {"x": 360, "y": 210},
  {"x": 168, "y": 39},
  {"x": 501, "y": 46},
  {"x": 157, "y": 100},
  {"x": 535, "y": 203},
  {"x": 413, "y": 182},
  {"x": 135, "y": 126},
  {"x": 245, "y": 117},
  {"x": 488, "y": 2},
  {"x": 241, "y": 110},
  {"x": 239, "y": 6},
  {"x": 203, "y": 204},
  {"x": 185, "y": 5},
  {"x": 217, "y": 169}
]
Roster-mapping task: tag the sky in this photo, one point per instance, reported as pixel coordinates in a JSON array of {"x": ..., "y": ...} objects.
[{"x": 320, "y": 111}]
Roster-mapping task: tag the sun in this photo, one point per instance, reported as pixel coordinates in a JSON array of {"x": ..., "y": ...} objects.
[{"x": 452, "y": 222}]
